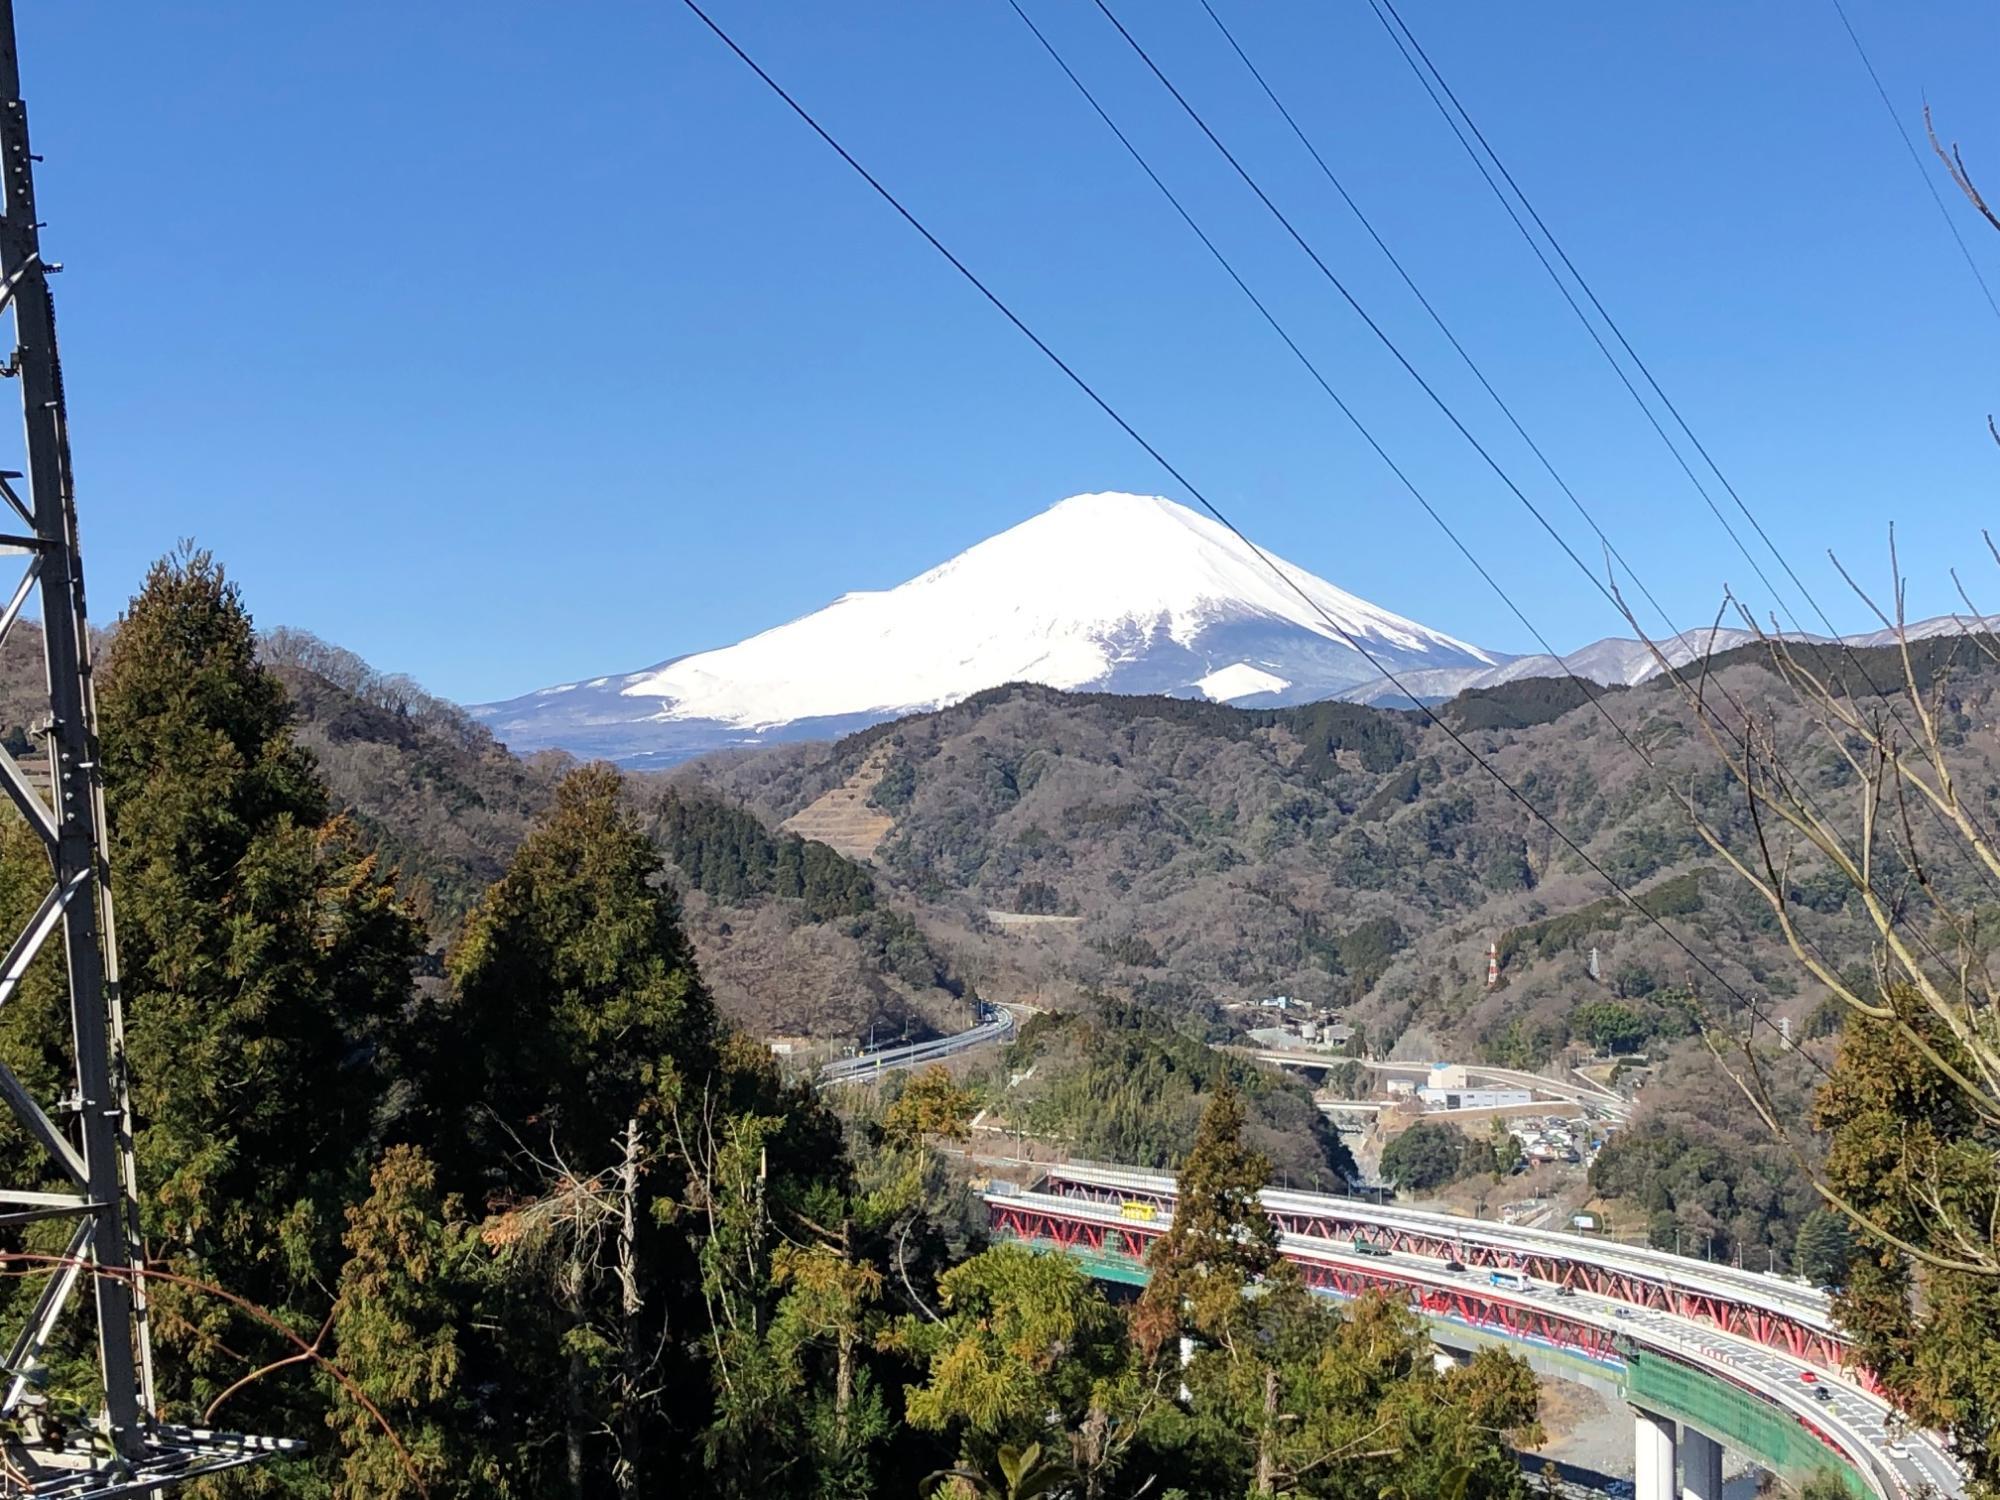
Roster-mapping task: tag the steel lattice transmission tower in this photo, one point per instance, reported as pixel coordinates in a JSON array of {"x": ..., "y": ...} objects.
[{"x": 85, "y": 1137}]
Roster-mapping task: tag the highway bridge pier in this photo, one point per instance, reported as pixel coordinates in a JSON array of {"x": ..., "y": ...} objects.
[
  {"x": 1654, "y": 1441},
  {"x": 1701, "y": 1465},
  {"x": 1657, "y": 1441}
]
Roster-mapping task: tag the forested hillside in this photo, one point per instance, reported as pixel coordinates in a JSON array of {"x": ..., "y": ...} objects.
[
  {"x": 1125, "y": 1081},
  {"x": 790, "y": 935},
  {"x": 808, "y": 949},
  {"x": 443, "y": 802},
  {"x": 1355, "y": 856},
  {"x": 475, "y": 1002},
  {"x": 1363, "y": 859},
  {"x": 544, "y": 1226},
  {"x": 1182, "y": 854},
  {"x": 795, "y": 938},
  {"x": 1335, "y": 852}
]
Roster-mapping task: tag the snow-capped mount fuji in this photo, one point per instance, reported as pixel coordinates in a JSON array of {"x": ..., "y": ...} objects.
[{"x": 1109, "y": 592}]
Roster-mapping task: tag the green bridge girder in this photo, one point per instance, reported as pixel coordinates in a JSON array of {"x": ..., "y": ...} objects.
[{"x": 1738, "y": 1419}]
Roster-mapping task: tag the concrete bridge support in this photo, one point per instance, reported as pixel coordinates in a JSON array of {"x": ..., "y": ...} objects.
[
  {"x": 1654, "y": 1440},
  {"x": 1701, "y": 1466}
]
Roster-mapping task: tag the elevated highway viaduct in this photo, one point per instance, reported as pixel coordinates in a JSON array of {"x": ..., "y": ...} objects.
[
  {"x": 864, "y": 1067},
  {"x": 1705, "y": 1355}
]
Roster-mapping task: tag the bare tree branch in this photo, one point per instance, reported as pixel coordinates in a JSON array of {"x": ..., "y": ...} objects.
[{"x": 1955, "y": 164}]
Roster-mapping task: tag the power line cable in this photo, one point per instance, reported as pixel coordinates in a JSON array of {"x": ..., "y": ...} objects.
[
  {"x": 1592, "y": 692},
  {"x": 1435, "y": 316},
  {"x": 1594, "y": 698},
  {"x": 1629, "y": 742},
  {"x": 1410, "y": 282},
  {"x": 1609, "y": 322},
  {"x": 1340, "y": 286},
  {"x": 1916, "y": 160},
  {"x": 1333, "y": 178},
  {"x": 1854, "y": 660},
  {"x": 1250, "y": 181},
  {"x": 1415, "y": 290},
  {"x": 1159, "y": 458},
  {"x": 1575, "y": 307}
]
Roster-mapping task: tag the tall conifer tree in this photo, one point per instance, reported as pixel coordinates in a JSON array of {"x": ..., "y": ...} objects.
[
  {"x": 1221, "y": 1242},
  {"x": 574, "y": 1020},
  {"x": 265, "y": 964},
  {"x": 405, "y": 1294},
  {"x": 575, "y": 997}
]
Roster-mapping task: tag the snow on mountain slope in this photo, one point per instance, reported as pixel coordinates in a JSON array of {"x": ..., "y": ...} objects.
[
  {"x": 1619, "y": 661},
  {"x": 1116, "y": 592},
  {"x": 1240, "y": 680},
  {"x": 1112, "y": 593}
]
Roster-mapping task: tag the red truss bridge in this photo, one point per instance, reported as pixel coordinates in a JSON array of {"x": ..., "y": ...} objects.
[
  {"x": 1769, "y": 1310},
  {"x": 1064, "y": 1224},
  {"x": 1708, "y": 1355}
]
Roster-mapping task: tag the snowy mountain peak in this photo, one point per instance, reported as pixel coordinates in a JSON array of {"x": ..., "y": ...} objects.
[
  {"x": 1114, "y": 592},
  {"x": 1116, "y": 556}
]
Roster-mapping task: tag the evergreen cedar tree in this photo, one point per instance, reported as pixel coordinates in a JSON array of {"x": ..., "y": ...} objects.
[
  {"x": 574, "y": 998},
  {"x": 1290, "y": 1392},
  {"x": 1896, "y": 1121},
  {"x": 266, "y": 964},
  {"x": 570, "y": 1236},
  {"x": 1221, "y": 1242},
  {"x": 1824, "y": 1248}
]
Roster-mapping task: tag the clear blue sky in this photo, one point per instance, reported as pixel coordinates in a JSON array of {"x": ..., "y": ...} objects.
[{"x": 507, "y": 344}]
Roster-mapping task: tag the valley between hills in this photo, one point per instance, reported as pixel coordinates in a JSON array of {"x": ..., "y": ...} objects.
[{"x": 1174, "y": 858}]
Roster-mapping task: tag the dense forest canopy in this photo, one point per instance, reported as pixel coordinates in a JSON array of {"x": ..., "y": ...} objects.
[
  {"x": 515, "y": 988},
  {"x": 548, "y": 1225}
]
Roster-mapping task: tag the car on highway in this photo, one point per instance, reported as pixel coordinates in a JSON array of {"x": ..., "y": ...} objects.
[
  {"x": 1821, "y": 1393},
  {"x": 1454, "y": 1265},
  {"x": 1808, "y": 1377}
]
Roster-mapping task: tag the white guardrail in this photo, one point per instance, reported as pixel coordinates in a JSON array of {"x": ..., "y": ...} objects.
[
  {"x": 1808, "y": 1304},
  {"x": 866, "y": 1065}
]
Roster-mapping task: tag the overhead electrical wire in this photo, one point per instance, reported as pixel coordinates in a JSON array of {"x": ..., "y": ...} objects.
[
  {"x": 1593, "y": 693},
  {"x": 1430, "y": 391},
  {"x": 1435, "y": 316},
  {"x": 1570, "y": 297},
  {"x": 1388, "y": 6},
  {"x": 1593, "y": 697},
  {"x": 1430, "y": 67},
  {"x": 1352, "y": 301},
  {"x": 1409, "y": 281},
  {"x": 1415, "y": 290},
  {"x": 1916, "y": 158},
  {"x": 1103, "y": 405}
]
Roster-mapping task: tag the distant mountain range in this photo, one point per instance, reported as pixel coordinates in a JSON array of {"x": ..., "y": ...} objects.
[{"x": 1108, "y": 593}]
